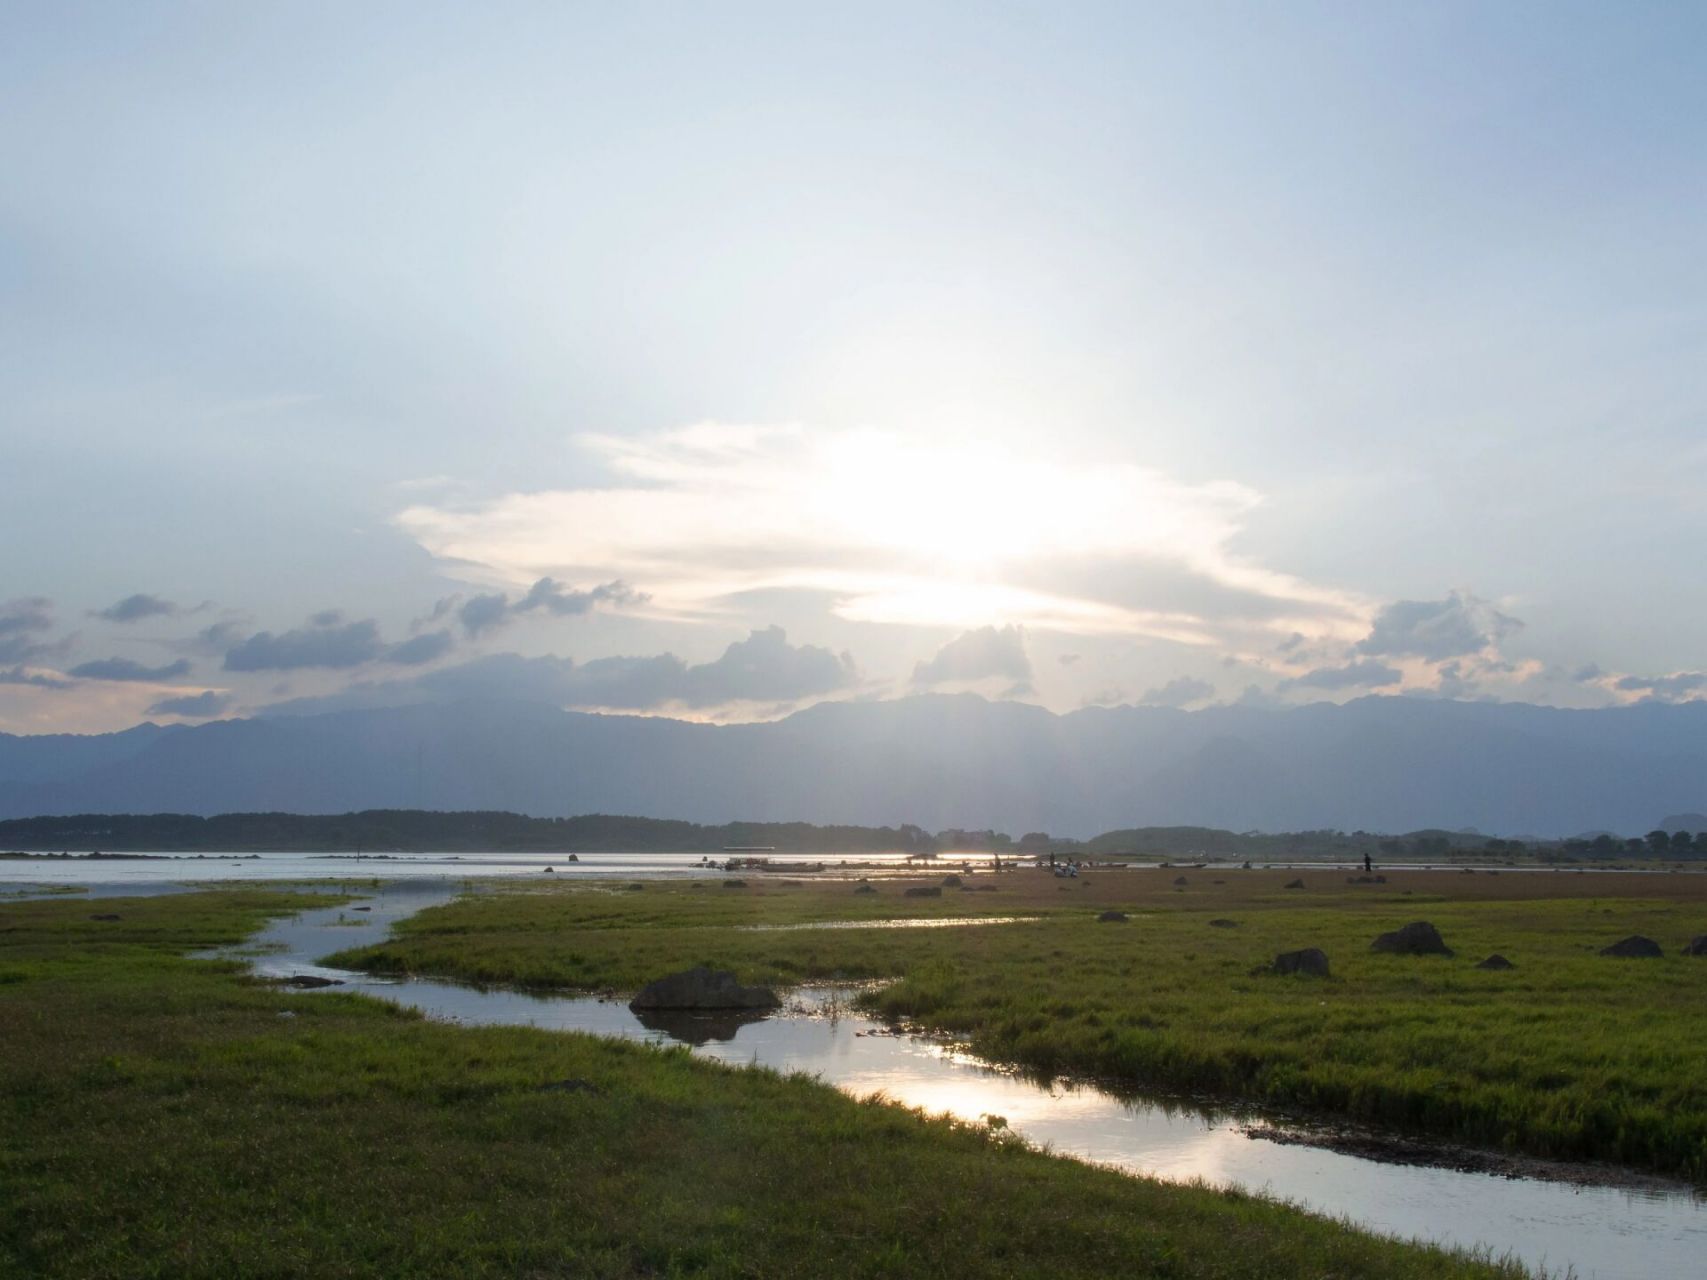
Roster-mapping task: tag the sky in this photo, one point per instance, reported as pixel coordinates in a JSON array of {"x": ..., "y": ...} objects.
[{"x": 716, "y": 360}]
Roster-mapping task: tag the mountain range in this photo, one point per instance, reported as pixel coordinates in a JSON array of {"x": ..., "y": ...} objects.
[{"x": 1375, "y": 764}]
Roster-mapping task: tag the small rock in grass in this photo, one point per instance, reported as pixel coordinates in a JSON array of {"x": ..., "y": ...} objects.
[
  {"x": 107, "y": 916},
  {"x": 1496, "y": 961},
  {"x": 1113, "y": 917},
  {"x": 1223, "y": 924},
  {"x": 734, "y": 884},
  {"x": 863, "y": 887},
  {"x": 1419, "y": 938},
  {"x": 951, "y": 882},
  {"x": 1635, "y": 947},
  {"x": 923, "y": 891},
  {"x": 1312, "y": 962},
  {"x": 1697, "y": 946},
  {"x": 1294, "y": 884},
  {"x": 1180, "y": 880},
  {"x": 702, "y": 988},
  {"x": 571, "y": 1085}
]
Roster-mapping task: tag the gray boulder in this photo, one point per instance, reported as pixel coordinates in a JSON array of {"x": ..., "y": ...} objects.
[
  {"x": 1312, "y": 962},
  {"x": 1419, "y": 938},
  {"x": 1635, "y": 947},
  {"x": 702, "y": 988}
]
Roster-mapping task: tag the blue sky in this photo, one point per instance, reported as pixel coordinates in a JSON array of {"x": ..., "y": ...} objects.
[{"x": 1083, "y": 353}]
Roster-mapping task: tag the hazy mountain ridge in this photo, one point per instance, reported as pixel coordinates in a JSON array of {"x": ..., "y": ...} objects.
[{"x": 1380, "y": 764}]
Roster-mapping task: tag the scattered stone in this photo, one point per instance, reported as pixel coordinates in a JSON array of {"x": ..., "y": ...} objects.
[
  {"x": 1223, "y": 924},
  {"x": 1113, "y": 917},
  {"x": 702, "y": 988},
  {"x": 106, "y": 916},
  {"x": 1294, "y": 884},
  {"x": 307, "y": 980},
  {"x": 1496, "y": 961},
  {"x": 1312, "y": 962},
  {"x": 361, "y": 908},
  {"x": 1180, "y": 880},
  {"x": 636, "y": 885},
  {"x": 951, "y": 882},
  {"x": 1419, "y": 938},
  {"x": 863, "y": 887},
  {"x": 1217, "y": 882},
  {"x": 1635, "y": 947},
  {"x": 549, "y": 871},
  {"x": 925, "y": 891},
  {"x": 1697, "y": 946},
  {"x": 574, "y": 858},
  {"x": 734, "y": 884}
]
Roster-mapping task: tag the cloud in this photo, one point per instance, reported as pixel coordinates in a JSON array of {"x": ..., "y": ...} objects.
[
  {"x": 37, "y": 679},
  {"x": 984, "y": 654},
  {"x": 335, "y": 647},
  {"x": 22, "y": 622},
  {"x": 125, "y": 669},
  {"x": 1181, "y": 691},
  {"x": 429, "y": 646},
  {"x": 1676, "y": 687},
  {"x": 194, "y": 706},
  {"x": 1588, "y": 673},
  {"x": 1111, "y": 697},
  {"x": 764, "y": 668},
  {"x": 1367, "y": 674},
  {"x": 137, "y": 607},
  {"x": 1436, "y": 630},
  {"x": 330, "y": 643},
  {"x": 484, "y": 612},
  {"x": 897, "y": 530}
]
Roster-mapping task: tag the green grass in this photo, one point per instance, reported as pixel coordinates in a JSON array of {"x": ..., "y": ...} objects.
[
  {"x": 161, "y": 1116},
  {"x": 1571, "y": 1054}
]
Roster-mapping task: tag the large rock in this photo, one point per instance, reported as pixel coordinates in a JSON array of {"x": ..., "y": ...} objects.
[
  {"x": 1312, "y": 962},
  {"x": 1697, "y": 946},
  {"x": 1635, "y": 947},
  {"x": 1419, "y": 938},
  {"x": 702, "y": 988}
]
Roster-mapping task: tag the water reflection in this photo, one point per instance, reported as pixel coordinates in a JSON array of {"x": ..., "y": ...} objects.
[{"x": 1646, "y": 1230}]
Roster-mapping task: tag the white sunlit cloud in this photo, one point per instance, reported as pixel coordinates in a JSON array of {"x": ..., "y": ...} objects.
[{"x": 892, "y": 530}]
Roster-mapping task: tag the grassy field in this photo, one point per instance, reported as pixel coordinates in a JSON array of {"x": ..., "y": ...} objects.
[
  {"x": 162, "y": 1116},
  {"x": 1570, "y": 1054}
]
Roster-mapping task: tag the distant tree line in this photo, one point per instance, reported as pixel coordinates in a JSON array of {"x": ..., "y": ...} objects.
[
  {"x": 419, "y": 830},
  {"x": 427, "y": 831}
]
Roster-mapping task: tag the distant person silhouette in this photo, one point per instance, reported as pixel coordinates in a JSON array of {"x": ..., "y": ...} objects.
[{"x": 1368, "y": 866}]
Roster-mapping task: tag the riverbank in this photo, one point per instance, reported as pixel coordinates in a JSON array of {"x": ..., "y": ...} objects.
[
  {"x": 1569, "y": 1055},
  {"x": 225, "y": 1128}
]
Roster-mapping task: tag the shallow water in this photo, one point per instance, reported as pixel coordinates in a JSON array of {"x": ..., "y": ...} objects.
[{"x": 1646, "y": 1231}]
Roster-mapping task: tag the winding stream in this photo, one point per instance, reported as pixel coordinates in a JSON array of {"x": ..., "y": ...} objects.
[{"x": 1646, "y": 1230}]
